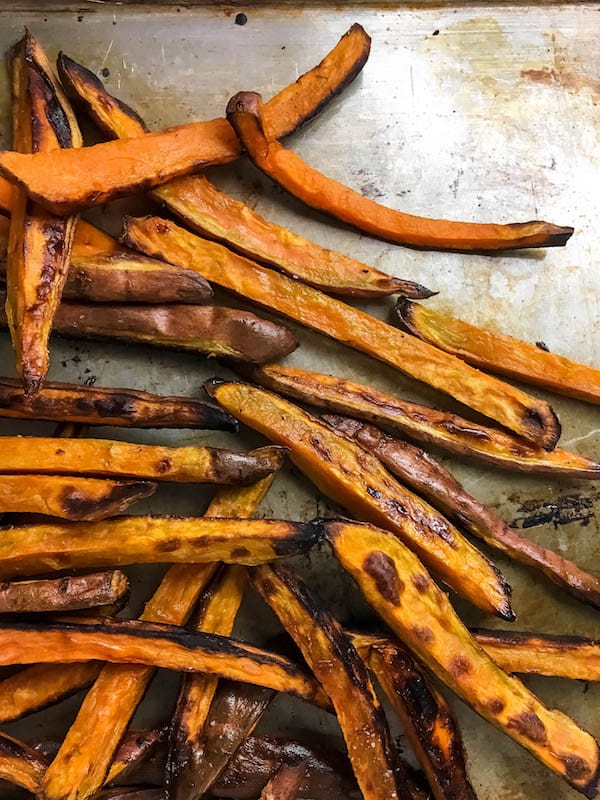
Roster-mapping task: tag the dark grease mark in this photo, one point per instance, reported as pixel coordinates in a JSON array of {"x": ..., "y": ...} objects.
[
  {"x": 558, "y": 511},
  {"x": 381, "y": 568},
  {"x": 241, "y": 19},
  {"x": 105, "y": 72}
]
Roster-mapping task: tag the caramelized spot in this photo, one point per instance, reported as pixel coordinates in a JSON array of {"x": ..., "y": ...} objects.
[
  {"x": 164, "y": 465},
  {"x": 496, "y": 705},
  {"x": 576, "y": 768},
  {"x": 529, "y": 725},
  {"x": 421, "y": 583},
  {"x": 423, "y": 633},
  {"x": 168, "y": 546},
  {"x": 458, "y": 666},
  {"x": 240, "y": 552},
  {"x": 382, "y": 569}
]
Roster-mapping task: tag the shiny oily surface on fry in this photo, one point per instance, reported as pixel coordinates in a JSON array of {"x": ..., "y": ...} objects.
[{"x": 504, "y": 133}]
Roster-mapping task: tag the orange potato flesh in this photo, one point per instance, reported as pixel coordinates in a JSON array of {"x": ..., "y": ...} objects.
[{"x": 20, "y": 765}]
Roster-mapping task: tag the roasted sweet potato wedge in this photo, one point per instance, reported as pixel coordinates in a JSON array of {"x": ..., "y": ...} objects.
[
  {"x": 234, "y": 713},
  {"x": 39, "y": 242},
  {"x": 111, "y": 458},
  {"x": 83, "y": 761},
  {"x": 21, "y": 765},
  {"x": 422, "y": 424},
  {"x": 398, "y": 587},
  {"x": 110, "y": 170},
  {"x": 350, "y": 476},
  {"x": 339, "y": 669},
  {"x": 245, "y": 114},
  {"x": 64, "y": 594},
  {"x": 530, "y": 418},
  {"x": 70, "y": 497},
  {"x": 120, "y": 408},
  {"x": 428, "y": 478},
  {"x": 285, "y": 783},
  {"x": 213, "y": 330},
  {"x": 543, "y": 654},
  {"x": 496, "y": 352}
]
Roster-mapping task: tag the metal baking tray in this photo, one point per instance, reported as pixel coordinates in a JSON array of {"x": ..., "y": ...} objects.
[{"x": 485, "y": 111}]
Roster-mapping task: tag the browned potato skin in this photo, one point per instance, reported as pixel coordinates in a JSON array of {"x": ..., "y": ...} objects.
[
  {"x": 285, "y": 783},
  {"x": 398, "y": 587},
  {"x": 120, "y": 408},
  {"x": 64, "y": 594},
  {"x": 431, "y": 480},
  {"x": 420, "y": 423},
  {"x": 69, "y": 497},
  {"x": 21, "y": 765},
  {"x": 339, "y": 669},
  {"x": 135, "y": 748}
]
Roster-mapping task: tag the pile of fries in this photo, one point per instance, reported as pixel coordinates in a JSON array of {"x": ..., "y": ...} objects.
[{"x": 62, "y": 496}]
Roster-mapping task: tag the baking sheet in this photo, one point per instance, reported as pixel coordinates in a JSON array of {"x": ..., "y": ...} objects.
[{"x": 479, "y": 111}]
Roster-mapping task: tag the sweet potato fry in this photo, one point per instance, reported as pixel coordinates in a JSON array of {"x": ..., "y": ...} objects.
[
  {"x": 543, "y": 654},
  {"x": 396, "y": 584},
  {"x": 83, "y": 761},
  {"x": 338, "y": 668},
  {"x": 70, "y": 497},
  {"x": 63, "y": 594},
  {"x": 111, "y": 458},
  {"x": 135, "y": 748},
  {"x": 530, "y": 418},
  {"x": 110, "y": 170},
  {"x": 21, "y": 765},
  {"x": 125, "y": 540},
  {"x": 427, "y": 477},
  {"x": 496, "y": 352},
  {"x": 213, "y": 330},
  {"x": 285, "y": 783},
  {"x": 245, "y": 114},
  {"x": 350, "y": 476},
  {"x": 218, "y": 216},
  {"x": 120, "y": 408},
  {"x": 39, "y": 242},
  {"x": 427, "y": 425},
  {"x": 234, "y": 713}
]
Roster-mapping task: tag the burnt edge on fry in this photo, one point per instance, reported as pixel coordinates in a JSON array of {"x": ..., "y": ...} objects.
[
  {"x": 78, "y": 506},
  {"x": 517, "y": 638}
]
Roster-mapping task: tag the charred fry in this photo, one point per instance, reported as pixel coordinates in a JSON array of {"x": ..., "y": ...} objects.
[
  {"x": 110, "y": 170},
  {"x": 64, "y": 594},
  {"x": 420, "y": 423},
  {"x": 135, "y": 748},
  {"x": 396, "y": 584},
  {"x": 83, "y": 761},
  {"x": 345, "y": 472},
  {"x": 530, "y": 418},
  {"x": 426, "y": 476},
  {"x": 285, "y": 783},
  {"x": 110, "y": 458},
  {"x": 120, "y": 408},
  {"x": 496, "y": 352},
  {"x": 124, "y": 540},
  {"x": 338, "y": 668},
  {"x": 20, "y": 764},
  {"x": 70, "y": 497},
  {"x": 245, "y": 113},
  {"x": 39, "y": 242}
]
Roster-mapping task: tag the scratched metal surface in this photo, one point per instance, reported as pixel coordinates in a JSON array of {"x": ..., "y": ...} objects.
[{"x": 481, "y": 112}]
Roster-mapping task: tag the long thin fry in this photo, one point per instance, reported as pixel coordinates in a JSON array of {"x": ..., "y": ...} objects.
[
  {"x": 422, "y": 424},
  {"x": 346, "y": 473},
  {"x": 105, "y": 171},
  {"x": 244, "y": 112},
  {"x": 396, "y": 584},
  {"x": 64, "y": 594},
  {"x": 82, "y": 764},
  {"x": 530, "y": 418}
]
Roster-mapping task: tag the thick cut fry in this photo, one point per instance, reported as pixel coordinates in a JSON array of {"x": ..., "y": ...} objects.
[
  {"x": 216, "y": 215},
  {"x": 111, "y": 458},
  {"x": 245, "y": 114},
  {"x": 21, "y": 765},
  {"x": 350, "y": 476},
  {"x": 213, "y": 330},
  {"x": 110, "y": 170},
  {"x": 427, "y": 720},
  {"x": 83, "y": 761},
  {"x": 530, "y": 418},
  {"x": 234, "y": 713},
  {"x": 285, "y": 783},
  {"x": 328, "y": 772},
  {"x": 128, "y": 641},
  {"x": 398, "y": 587},
  {"x": 70, "y": 497},
  {"x": 36, "y": 549},
  {"x": 64, "y": 594},
  {"x": 426, "y": 476},
  {"x": 543, "y": 654},
  {"x": 339, "y": 669},
  {"x": 39, "y": 242},
  {"x": 446, "y": 431},
  {"x": 120, "y": 408},
  {"x": 496, "y": 352}
]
